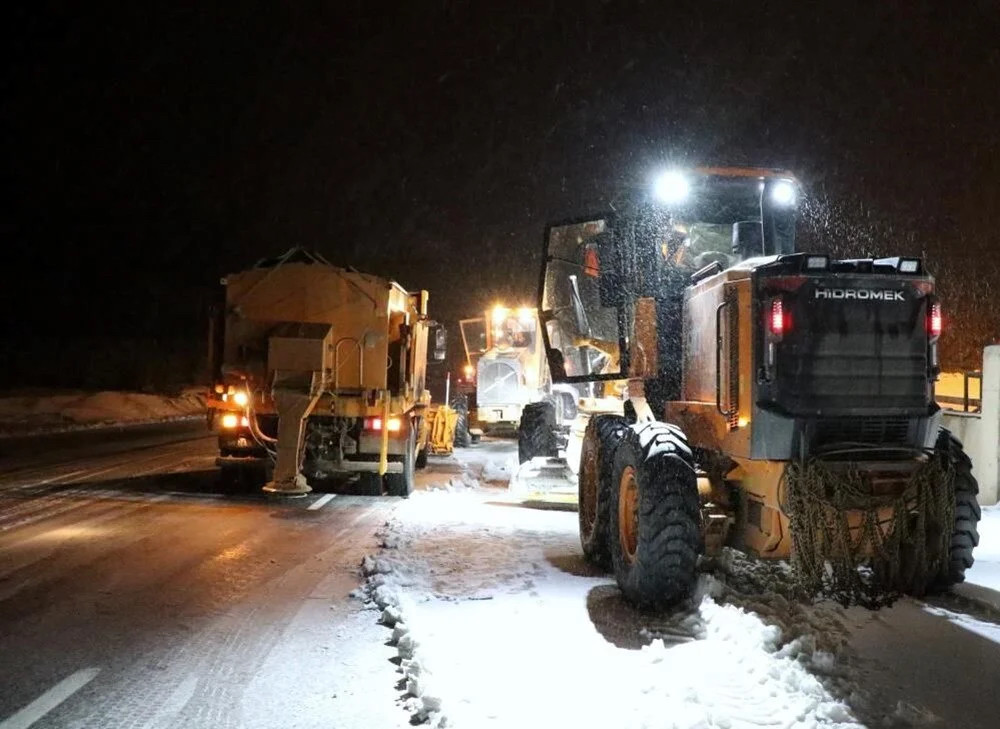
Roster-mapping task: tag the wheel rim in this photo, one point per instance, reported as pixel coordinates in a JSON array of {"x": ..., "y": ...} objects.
[
  {"x": 588, "y": 486},
  {"x": 628, "y": 513}
]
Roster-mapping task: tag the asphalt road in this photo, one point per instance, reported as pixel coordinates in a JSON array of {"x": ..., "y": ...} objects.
[{"x": 133, "y": 593}]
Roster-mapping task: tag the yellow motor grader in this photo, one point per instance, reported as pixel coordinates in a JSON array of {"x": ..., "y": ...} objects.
[
  {"x": 320, "y": 372},
  {"x": 779, "y": 402},
  {"x": 513, "y": 390}
]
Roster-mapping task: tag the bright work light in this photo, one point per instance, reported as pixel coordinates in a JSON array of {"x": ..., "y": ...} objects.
[
  {"x": 671, "y": 187},
  {"x": 783, "y": 193}
]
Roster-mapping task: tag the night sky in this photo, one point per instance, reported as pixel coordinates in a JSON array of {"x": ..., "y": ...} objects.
[{"x": 150, "y": 151}]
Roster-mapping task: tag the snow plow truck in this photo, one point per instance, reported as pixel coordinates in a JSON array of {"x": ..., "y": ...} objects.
[
  {"x": 779, "y": 402},
  {"x": 320, "y": 373}
]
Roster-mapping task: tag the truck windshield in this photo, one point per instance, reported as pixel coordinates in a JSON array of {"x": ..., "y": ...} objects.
[
  {"x": 515, "y": 332},
  {"x": 474, "y": 339}
]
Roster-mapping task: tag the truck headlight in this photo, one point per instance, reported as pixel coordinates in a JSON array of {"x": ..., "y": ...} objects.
[
  {"x": 230, "y": 421},
  {"x": 241, "y": 398}
]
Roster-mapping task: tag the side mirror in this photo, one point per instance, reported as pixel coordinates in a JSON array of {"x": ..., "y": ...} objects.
[{"x": 439, "y": 338}]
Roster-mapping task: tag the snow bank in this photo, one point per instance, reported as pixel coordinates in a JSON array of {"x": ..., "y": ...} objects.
[
  {"x": 46, "y": 412},
  {"x": 489, "y": 462},
  {"x": 497, "y": 621}
]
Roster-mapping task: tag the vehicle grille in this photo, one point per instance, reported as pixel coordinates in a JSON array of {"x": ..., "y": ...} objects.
[
  {"x": 866, "y": 431},
  {"x": 498, "y": 383}
]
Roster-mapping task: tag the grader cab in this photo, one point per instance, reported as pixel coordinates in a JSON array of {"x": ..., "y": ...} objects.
[{"x": 779, "y": 402}]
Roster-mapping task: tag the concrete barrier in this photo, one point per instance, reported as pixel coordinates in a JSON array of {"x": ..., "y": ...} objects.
[{"x": 979, "y": 431}]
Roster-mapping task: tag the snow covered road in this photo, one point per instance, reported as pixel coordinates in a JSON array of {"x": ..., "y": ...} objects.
[{"x": 499, "y": 622}]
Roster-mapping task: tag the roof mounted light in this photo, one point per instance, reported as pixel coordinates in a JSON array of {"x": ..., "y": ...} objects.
[
  {"x": 783, "y": 193},
  {"x": 909, "y": 265},
  {"x": 671, "y": 187}
]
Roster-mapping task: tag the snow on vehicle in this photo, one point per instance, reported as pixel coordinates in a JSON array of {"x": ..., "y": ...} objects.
[
  {"x": 321, "y": 370},
  {"x": 778, "y": 402}
]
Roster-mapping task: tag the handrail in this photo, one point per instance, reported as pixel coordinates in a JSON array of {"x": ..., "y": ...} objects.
[
  {"x": 966, "y": 376},
  {"x": 718, "y": 361}
]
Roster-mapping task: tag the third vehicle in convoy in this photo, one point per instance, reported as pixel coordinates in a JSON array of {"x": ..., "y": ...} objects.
[{"x": 514, "y": 390}]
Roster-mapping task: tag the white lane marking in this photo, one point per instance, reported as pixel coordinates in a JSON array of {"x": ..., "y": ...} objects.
[
  {"x": 49, "y": 700},
  {"x": 320, "y": 502}
]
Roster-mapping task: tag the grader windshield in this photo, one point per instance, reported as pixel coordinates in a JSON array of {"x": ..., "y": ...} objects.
[
  {"x": 579, "y": 313},
  {"x": 596, "y": 268}
]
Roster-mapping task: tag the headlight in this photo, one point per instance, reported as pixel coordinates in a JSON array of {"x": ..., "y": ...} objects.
[
  {"x": 230, "y": 421},
  {"x": 783, "y": 193},
  {"x": 241, "y": 398},
  {"x": 671, "y": 188}
]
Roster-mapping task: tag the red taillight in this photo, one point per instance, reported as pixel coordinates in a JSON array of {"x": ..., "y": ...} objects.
[
  {"x": 778, "y": 321},
  {"x": 934, "y": 319}
]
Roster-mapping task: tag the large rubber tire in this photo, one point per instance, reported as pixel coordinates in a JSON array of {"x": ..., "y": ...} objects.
[
  {"x": 460, "y": 404},
  {"x": 536, "y": 433},
  {"x": 600, "y": 441},
  {"x": 655, "y": 518},
  {"x": 401, "y": 484},
  {"x": 965, "y": 533}
]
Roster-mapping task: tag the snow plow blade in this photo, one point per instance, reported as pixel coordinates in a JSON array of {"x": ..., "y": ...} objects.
[{"x": 545, "y": 480}]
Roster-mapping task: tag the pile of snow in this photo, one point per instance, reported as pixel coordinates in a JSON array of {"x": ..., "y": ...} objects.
[
  {"x": 497, "y": 620},
  {"x": 459, "y": 482},
  {"x": 40, "y": 412},
  {"x": 490, "y": 461}
]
